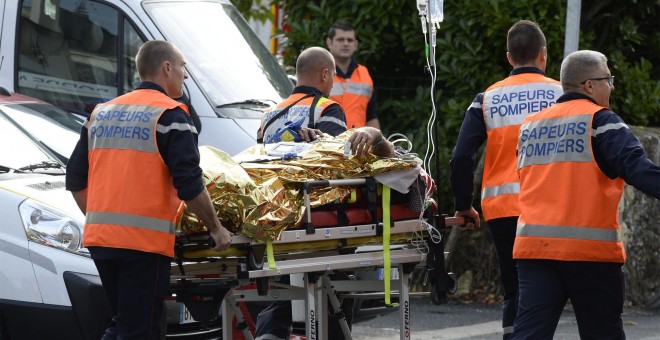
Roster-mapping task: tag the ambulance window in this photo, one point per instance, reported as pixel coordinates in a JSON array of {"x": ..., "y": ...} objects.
[{"x": 68, "y": 52}]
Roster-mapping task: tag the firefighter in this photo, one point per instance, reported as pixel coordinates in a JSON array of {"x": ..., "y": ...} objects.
[
  {"x": 315, "y": 72},
  {"x": 573, "y": 159},
  {"x": 136, "y": 162},
  {"x": 353, "y": 87},
  {"x": 494, "y": 116}
]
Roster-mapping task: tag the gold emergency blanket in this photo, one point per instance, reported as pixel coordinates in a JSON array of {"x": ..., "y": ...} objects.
[{"x": 260, "y": 198}]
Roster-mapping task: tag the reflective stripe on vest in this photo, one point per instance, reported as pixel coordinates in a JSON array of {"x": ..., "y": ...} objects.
[
  {"x": 578, "y": 233},
  {"x": 110, "y": 128},
  {"x": 509, "y": 105},
  {"x": 563, "y": 139},
  {"x": 136, "y": 221},
  {"x": 505, "y": 105},
  {"x": 569, "y": 207},
  {"x": 353, "y": 95},
  {"x": 351, "y": 87},
  {"x": 301, "y": 109},
  {"x": 504, "y": 189}
]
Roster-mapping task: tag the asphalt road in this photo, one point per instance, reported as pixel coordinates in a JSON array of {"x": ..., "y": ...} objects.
[{"x": 479, "y": 321}]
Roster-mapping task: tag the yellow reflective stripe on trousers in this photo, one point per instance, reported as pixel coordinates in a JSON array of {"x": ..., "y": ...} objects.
[
  {"x": 504, "y": 189},
  {"x": 387, "y": 260},
  {"x": 136, "y": 221},
  {"x": 571, "y": 232}
]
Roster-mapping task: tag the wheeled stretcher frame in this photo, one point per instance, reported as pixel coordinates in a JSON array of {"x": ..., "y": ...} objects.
[{"x": 323, "y": 252}]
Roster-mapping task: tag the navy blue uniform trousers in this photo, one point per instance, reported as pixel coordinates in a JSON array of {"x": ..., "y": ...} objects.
[
  {"x": 503, "y": 232},
  {"x": 135, "y": 283},
  {"x": 596, "y": 291}
]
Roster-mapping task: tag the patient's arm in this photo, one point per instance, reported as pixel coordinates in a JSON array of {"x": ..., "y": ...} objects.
[{"x": 367, "y": 139}]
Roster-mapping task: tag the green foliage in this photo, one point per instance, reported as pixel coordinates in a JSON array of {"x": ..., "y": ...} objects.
[
  {"x": 627, "y": 33},
  {"x": 471, "y": 54},
  {"x": 254, "y": 10}
]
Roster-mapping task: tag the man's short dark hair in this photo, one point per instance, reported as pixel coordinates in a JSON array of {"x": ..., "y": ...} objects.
[
  {"x": 151, "y": 55},
  {"x": 525, "y": 41},
  {"x": 341, "y": 25}
]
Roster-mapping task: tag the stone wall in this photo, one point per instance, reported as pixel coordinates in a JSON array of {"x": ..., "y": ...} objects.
[{"x": 640, "y": 226}]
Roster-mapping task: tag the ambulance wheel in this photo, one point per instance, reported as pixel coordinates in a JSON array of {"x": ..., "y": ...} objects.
[{"x": 452, "y": 285}]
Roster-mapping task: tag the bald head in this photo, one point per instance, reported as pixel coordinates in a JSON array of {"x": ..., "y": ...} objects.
[{"x": 315, "y": 67}]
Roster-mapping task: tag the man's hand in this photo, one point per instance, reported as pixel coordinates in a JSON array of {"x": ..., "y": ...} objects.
[
  {"x": 309, "y": 134},
  {"x": 221, "y": 237},
  {"x": 471, "y": 213},
  {"x": 202, "y": 207}
]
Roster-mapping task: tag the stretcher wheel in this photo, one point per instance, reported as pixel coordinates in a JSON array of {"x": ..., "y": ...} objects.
[
  {"x": 439, "y": 293},
  {"x": 452, "y": 285},
  {"x": 438, "y": 296}
]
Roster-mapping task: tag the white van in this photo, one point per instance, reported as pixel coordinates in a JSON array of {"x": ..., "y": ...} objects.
[{"x": 78, "y": 53}]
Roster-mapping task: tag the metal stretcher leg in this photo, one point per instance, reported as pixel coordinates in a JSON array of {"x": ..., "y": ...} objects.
[
  {"x": 336, "y": 308},
  {"x": 321, "y": 311},
  {"x": 311, "y": 331},
  {"x": 230, "y": 310},
  {"x": 404, "y": 301}
]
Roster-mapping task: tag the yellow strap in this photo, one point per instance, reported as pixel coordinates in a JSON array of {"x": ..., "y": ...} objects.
[
  {"x": 387, "y": 260},
  {"x": 269, "y": 255},
  {"x": 353, "y": 197}
]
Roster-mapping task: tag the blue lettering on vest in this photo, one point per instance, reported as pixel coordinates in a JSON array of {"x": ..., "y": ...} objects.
[{"x": 113, "y": 131}]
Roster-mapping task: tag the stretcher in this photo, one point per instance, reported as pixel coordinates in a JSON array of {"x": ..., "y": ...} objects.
[{"x": 329, "y": 239}]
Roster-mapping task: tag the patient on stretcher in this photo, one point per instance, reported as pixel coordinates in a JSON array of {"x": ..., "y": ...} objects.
[{"x": 259, "y": 196}]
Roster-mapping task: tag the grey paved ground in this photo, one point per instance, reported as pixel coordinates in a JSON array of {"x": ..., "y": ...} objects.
[{"x": 478, "y": 321}]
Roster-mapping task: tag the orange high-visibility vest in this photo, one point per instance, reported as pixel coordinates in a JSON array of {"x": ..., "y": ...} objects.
[
  {"x": 505, "y": 105},
  {"x": 131, "y": 202},
  {"x": 568, "y": 206},
  {"x": 297, "y": 111},
  {"x": 353, "y": 96}
]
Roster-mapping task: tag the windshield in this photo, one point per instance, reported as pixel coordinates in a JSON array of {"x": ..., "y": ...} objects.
[
  {"x": 26, "y": 124},
  {"x": 223, "y": 55}
]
